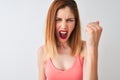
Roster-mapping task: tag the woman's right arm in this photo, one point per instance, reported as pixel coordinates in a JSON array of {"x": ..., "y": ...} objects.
[{"x": 40, "y": 59}]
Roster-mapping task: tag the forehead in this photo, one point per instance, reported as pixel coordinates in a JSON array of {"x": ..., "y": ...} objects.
[{"x": 65, "y": 13}]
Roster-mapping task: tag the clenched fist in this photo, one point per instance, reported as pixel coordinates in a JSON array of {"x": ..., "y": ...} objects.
[{"x": 93, "y": 30}]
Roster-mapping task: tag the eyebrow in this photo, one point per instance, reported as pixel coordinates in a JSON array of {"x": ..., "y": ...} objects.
[{"x": 66, "y": 19}]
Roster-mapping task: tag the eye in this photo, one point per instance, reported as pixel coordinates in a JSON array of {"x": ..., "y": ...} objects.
[
  {"x": 70, "y": 20},
  {"x": 58, "y": 19}
]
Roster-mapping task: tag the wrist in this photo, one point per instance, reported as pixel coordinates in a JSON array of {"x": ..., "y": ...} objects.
[
  {"x": 92, "y": 50},
  {"x": 92, "y": 47}
]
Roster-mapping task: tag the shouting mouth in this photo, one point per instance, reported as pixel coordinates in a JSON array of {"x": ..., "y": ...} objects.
[{"x": 63, "y": 34}]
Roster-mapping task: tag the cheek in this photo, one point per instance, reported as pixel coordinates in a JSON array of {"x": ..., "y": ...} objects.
[
  {"x": 56, "y": 29},
  {"x": 71, "y": 27},
  {"x": 57, "y": 26}
]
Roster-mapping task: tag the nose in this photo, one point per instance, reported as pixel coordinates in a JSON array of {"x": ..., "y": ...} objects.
[{"x": 64, "y": 24}]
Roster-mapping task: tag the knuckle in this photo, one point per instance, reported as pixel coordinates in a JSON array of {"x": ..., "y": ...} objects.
[
  {"x": 92, "y": 31},
  {"x": 100, "y": 28}
]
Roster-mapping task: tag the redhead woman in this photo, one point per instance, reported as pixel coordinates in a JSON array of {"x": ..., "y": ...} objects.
[{"x": 65, "y": 56}]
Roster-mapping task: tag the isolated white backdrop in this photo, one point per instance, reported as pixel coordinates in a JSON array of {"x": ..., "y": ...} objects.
[{"x": 22, "y": 26}]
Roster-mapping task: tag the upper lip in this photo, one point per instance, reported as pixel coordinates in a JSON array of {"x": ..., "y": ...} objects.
[{"x": 63, "y": 31}]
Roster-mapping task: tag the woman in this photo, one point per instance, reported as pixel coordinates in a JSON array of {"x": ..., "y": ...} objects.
[{"x": 65, "y": 56}]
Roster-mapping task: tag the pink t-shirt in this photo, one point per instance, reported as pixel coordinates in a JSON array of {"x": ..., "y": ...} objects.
[{"x": 73, "y": 73}]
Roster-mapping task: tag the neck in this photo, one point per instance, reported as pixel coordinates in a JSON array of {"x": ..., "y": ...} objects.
[
  {"x": 63, "y": 45},
  {"x": 64, "y": 48}
]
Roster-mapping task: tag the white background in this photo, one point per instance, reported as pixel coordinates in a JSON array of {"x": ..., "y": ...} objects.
[{"x": 22, "y": 26}]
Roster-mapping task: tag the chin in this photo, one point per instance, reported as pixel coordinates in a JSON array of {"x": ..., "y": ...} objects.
[{"x": 63, "y": 40}]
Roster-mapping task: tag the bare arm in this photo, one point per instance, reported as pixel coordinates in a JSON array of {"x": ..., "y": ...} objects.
[
  {"x": 91, "y": 57},
  {"x": 91, "y": 65},
  {"x": 40, "y": 54}
]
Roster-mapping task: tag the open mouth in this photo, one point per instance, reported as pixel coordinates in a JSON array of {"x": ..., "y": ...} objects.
[{"x": 63, "y": 34}]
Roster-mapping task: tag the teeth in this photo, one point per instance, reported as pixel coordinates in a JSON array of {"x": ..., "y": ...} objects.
[{"x": 63, "y": 32}]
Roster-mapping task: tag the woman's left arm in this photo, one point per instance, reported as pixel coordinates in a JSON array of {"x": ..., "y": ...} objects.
[{"x": 90, "y": 67}]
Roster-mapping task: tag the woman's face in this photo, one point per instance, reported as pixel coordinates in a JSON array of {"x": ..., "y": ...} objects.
[{"x": 65, "y": 23}]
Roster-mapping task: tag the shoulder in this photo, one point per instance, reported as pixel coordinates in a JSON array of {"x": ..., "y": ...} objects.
[
  {"x": 40, "y": 53},
  {"x": 83, "y": 49},
  {"x": 40, "y": 50}
]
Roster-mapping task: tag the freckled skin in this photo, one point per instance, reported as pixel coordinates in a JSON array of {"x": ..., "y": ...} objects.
[{"x": 64, "y": 21}]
